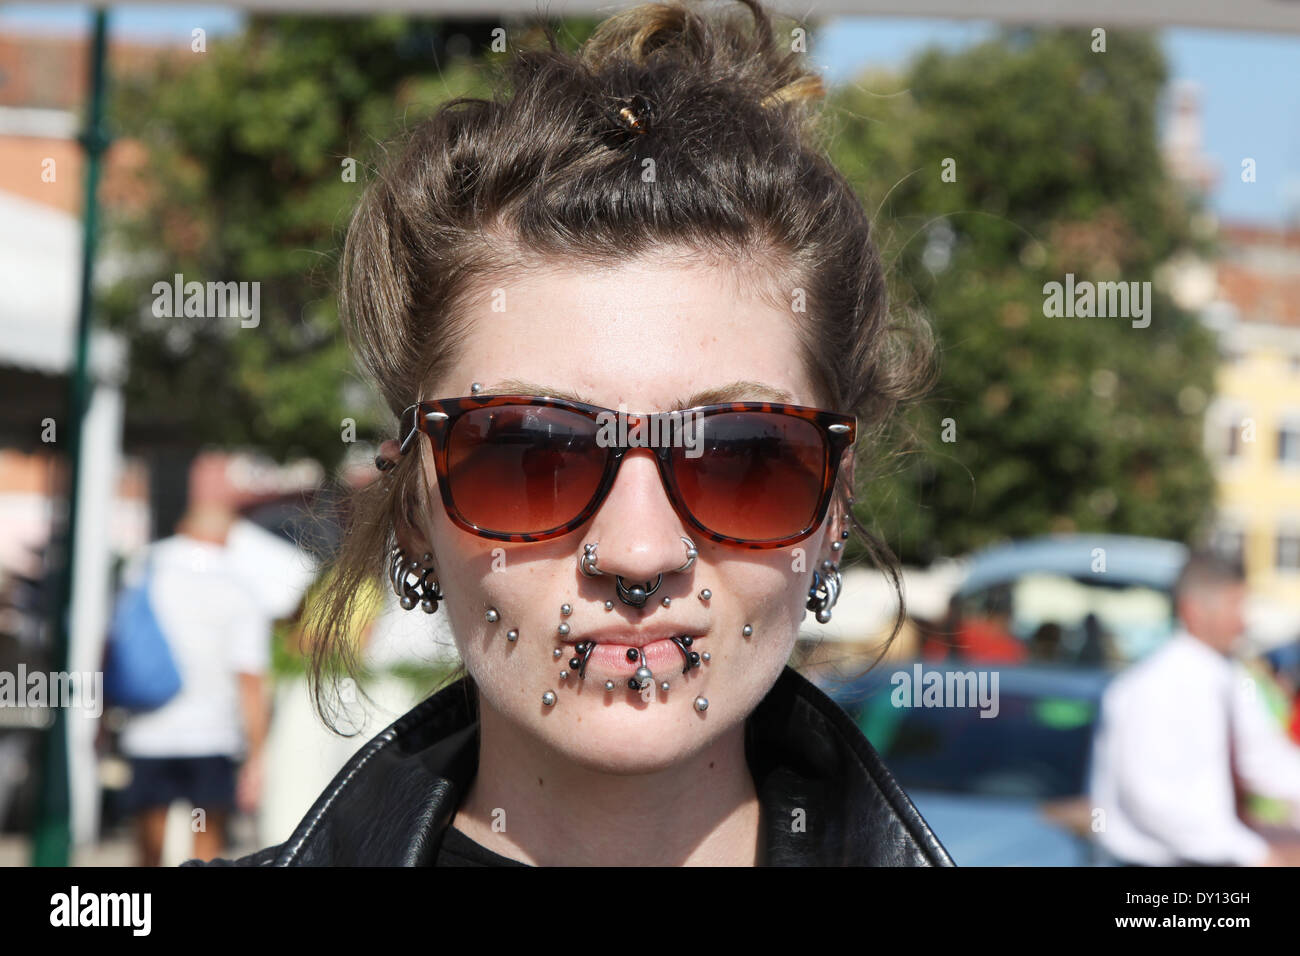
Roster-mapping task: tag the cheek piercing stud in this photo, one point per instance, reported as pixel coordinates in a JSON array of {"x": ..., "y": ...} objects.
[
  {"x": 631, "y": 653},
  {"x": 706, "y": 657},
  {"x": 609, "y": 685},
  {"x": 512, "y": 635},
  {"x": 549, "y": 698},
  {"x": 563, "y": 630},
  {"x": 566, "y": 610},
  {"x": 557, "y": 653},
  {"x": 701, "y": 704},
  {"x": 747, "y": 631},
  {"x": 705, "y": 594},
  {"x": 492, "y": 615}
]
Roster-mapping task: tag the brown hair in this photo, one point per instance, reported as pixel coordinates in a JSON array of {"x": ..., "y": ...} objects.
[{"x": 551, "y": 169}]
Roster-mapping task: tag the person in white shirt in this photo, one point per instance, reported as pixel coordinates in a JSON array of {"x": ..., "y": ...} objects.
[
  {"x": 1179, "y": 731},
  {"x": 205, "y": 745}
]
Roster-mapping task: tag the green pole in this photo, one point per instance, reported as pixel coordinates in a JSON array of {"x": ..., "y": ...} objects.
[{"x": 51, "y": 839}]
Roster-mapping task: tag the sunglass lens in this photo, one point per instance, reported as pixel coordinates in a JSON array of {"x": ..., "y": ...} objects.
[
  {"x": 758, "y": 477},
  {"x": 523, "y": 469}
]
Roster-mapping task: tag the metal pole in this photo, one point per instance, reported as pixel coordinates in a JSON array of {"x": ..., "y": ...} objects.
[{"x": 51, "y": 838}]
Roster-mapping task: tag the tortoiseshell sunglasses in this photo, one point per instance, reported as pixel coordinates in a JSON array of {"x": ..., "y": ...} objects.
[{"x": 529, "y": 468}]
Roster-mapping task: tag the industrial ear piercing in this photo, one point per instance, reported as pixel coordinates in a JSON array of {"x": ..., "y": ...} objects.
[{"x": 414, "y": 581}]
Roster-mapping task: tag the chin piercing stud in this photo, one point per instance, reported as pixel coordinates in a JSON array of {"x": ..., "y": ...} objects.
[
  {"x": 609, "y": 685},
  {"x": 566, "y": 610},
  {"x": 701, "y": 704},
  {"x": 747, "y": 631},
  {"x": 492, "y": 615},
  {"x": 705, "y": 594},
  {"x": 706, "y": 657},
  {"x": 557, "y": 653},
  {"x": 512, "y": 635},
  {"x": 564, "y": 675},
  {"x": 549, "y": 698},
  {"x": 563, "y": 630}
]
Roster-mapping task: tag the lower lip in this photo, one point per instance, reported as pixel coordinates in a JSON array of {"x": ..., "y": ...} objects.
[{"x": 661, "y": 656}]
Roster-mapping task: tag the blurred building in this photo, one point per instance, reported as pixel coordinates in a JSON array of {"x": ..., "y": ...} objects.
[
  {"x": 1250, "y": 296},
  {"x": 1253, "y": 425}
]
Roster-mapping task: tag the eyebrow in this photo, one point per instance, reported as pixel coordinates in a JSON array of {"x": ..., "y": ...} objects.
[{"x": 741, "y": 391}]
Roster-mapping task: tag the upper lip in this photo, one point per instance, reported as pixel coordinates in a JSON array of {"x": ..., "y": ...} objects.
[{"x": 634, "y": 636}]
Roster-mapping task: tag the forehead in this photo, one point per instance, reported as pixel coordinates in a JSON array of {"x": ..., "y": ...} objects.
[{"x": 652, "y": 334}]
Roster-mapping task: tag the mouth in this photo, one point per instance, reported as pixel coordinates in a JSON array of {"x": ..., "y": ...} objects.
[{"x": 620, "y": 653}]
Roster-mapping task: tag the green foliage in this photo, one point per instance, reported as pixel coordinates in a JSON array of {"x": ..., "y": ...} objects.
[
  {"x": 1061, "y": 424},
  {"x": 244, "y": 181}
]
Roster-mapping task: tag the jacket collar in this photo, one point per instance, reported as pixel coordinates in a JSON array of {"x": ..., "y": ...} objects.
[{"x": 827, "y": 799}]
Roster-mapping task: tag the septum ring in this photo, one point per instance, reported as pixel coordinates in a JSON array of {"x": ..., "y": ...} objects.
[{"x": 637, "y": 594}]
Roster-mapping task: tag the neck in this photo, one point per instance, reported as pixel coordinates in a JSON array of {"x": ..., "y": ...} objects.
[{"x": 703, "y": 811}]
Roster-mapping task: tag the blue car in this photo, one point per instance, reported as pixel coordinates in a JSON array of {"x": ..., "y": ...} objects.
[{"x": 1006, "y": 789}]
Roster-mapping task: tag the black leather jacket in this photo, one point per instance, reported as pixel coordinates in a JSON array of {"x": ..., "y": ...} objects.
[{"x": 391, "y": 803}]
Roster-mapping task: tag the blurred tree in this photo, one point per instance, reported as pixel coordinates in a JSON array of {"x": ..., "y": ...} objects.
[
  {"x": 246, "y": 179},
  {"x": 1038, "y": 424}
]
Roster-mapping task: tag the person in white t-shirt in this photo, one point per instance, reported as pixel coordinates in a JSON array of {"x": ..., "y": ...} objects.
[
  {"x": 193, "y": 746},
  {"x": 1180, "y": 732}
]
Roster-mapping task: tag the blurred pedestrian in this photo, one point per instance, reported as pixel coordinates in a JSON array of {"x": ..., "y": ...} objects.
[
  {"x": 191, "y": 747},
  {"x": 1182, "y": 731}
]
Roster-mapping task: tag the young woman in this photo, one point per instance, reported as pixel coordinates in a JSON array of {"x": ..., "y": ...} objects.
[{"x": 634, "y": 329}]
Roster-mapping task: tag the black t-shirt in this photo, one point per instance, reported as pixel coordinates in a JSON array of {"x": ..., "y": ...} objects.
[{"x": 459, "y": 850}]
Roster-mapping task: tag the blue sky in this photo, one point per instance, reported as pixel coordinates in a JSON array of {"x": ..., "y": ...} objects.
[{"x": 1250, "y": 83}]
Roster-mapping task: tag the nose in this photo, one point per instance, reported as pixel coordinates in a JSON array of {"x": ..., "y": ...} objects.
[{"x": 637, "y": 528}]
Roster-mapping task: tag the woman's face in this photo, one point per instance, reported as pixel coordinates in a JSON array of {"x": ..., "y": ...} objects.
[{"x": 643, "y": 335}]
